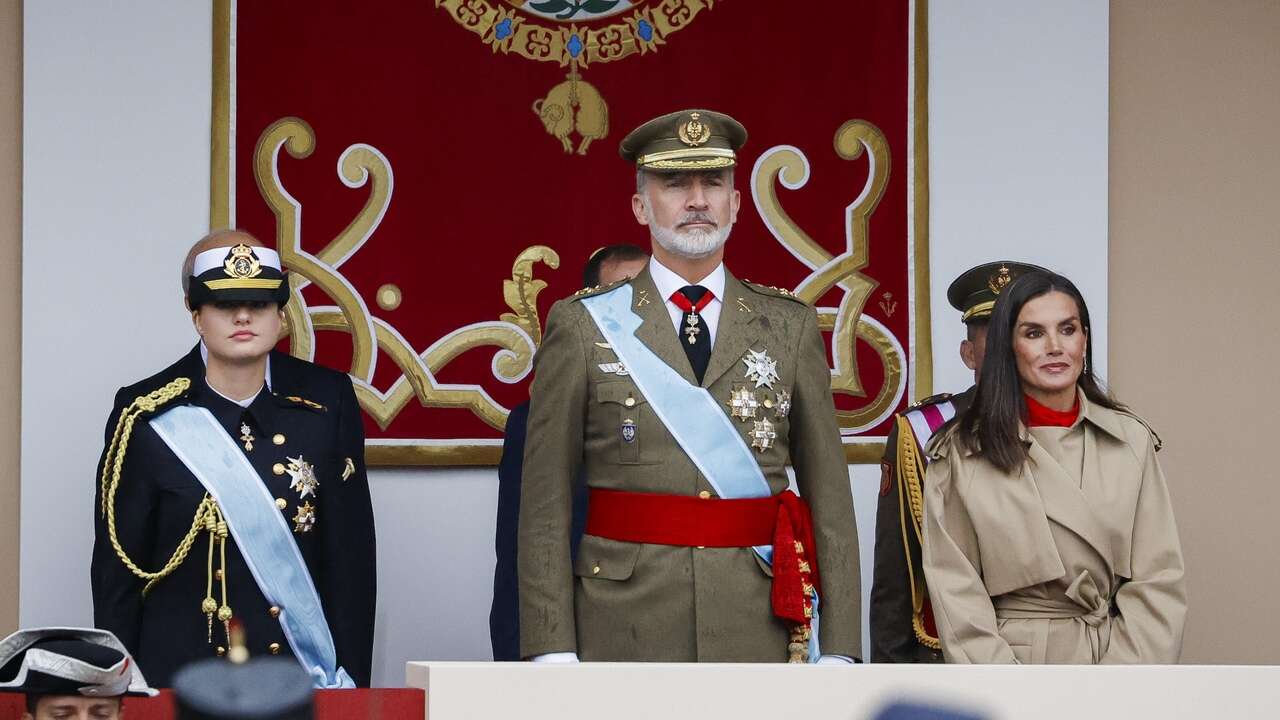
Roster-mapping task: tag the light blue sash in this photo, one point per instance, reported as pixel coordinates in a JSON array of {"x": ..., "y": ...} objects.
[
  {"x": 261, "y": 534},
  {"x": 692, "y": 416}
]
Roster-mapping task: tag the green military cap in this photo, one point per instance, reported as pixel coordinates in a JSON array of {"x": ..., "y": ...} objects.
[
  {"x": 974, "y": 293},
  {"x": 685, "y": 140}
]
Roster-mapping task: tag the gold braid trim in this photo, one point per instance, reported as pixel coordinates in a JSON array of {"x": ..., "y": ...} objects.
[
  {"x": 910, "y": 471},
  {"x": 112, "y": 466}
]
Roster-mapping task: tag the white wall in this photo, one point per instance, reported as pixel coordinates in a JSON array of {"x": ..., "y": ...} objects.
[{"x": 116, "y": 186}]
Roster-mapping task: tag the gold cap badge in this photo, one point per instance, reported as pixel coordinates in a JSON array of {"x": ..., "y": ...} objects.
[
  {"x": 694, "y": 132},
  {"x": 242, "y": 263},
  {"x": 1000, "y": 280}
]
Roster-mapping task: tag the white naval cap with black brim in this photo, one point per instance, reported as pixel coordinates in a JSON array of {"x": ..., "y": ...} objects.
[
  {"x": 69, "y": 661},
  {"x": 237, "y": 274}
]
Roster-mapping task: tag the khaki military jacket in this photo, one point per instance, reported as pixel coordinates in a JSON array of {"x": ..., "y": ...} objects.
[
  {"x": 1075, "y": 558},
  {"x": 626, "y": 601}
]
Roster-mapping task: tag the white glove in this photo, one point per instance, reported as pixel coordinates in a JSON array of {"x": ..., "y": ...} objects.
[
  {"x": 561, "y": 658},
  {"x": 834, "y": 660}
]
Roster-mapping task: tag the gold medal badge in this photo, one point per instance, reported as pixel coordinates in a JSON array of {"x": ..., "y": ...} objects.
[
  {"x": 242, "y": 263},
  {"x": 694, "y": 131}
]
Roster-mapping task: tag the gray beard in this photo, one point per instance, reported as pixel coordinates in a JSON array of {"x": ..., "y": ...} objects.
[{"x": 692, "y": 244}]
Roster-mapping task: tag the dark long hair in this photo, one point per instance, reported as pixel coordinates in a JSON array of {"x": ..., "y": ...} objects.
[{"x": 990, "y": 427}]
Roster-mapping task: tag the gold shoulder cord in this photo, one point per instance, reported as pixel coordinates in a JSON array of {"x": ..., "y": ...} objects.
[
  {"x": 208, "y": 516},
  {"x": 910, "y": 470}
]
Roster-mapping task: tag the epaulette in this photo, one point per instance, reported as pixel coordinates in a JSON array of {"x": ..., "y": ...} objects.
[
  {"x": 303, "y": 402},
  {"x": 597, "y": 289},
  {"x": 931, "y": 400},
  {"x": 1155, "y": 437},
  {"x": 774, "y": 291}
]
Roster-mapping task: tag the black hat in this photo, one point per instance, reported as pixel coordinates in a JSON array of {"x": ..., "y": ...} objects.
[
  {"x": 69, "y": 661},
  {"x": 974, "y": 293},
  {"x": 684, "y": 141},
  {"x": 237, "y": 274},
  {"x": 262, "y": 689}
]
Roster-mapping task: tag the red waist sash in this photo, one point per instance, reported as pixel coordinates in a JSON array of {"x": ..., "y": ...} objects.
[{"x": 781, "y": 520}]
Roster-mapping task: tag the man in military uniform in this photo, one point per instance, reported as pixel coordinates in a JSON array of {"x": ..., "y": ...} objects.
[
  {"x": 902, "y": 628},
  {"x": 69, "y": 673},
  {"x": 233, "y": 486},
  {"x": 682, "y": 394}
]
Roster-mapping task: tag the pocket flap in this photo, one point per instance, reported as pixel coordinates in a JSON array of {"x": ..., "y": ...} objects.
[
  {"x": 618, "y": 392},
  {"x": 605, "y": 559}
]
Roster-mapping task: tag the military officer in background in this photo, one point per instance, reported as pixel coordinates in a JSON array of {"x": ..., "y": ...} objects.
[
  {"x": 902, "y": 627},
  {"x": 70, "y": 673},
  {"x": 683, "y": 394},
  {"x": 233, "y": 486}
]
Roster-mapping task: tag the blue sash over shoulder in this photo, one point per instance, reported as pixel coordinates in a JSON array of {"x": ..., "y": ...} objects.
[{"x": 261, "y": 534}]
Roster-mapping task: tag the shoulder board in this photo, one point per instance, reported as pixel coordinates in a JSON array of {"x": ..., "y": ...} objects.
[
  {"x": 597, "y": 289},
  {"x": 296, "y": 401},
  {"x": 773, "y": 291},
  {"x": 1155, "y": 437},
  {"x": 931, "y": 400}
]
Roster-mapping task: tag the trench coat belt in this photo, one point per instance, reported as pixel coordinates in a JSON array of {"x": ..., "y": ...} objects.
[{"x": 1083, "y": 601}]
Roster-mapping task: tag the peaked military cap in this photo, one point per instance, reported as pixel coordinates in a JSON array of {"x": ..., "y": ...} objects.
[
  {"x": 237, "y": 274},
  {"x": 261, "y": 689},
  {"x": 69, "y": 661},
  {"x": 685, "y": 140},
  {"x": 974, "y": 293}
]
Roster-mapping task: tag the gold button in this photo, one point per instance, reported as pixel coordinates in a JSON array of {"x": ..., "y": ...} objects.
[
  {"x": 277, "y": 469},
  {"x": 221, "y": 651},
  {"x": 274, "y": 648},
  {"x": 768, "y": 403},
  {"x": 705, "y": 495},
  {"x": 595, "y": 570},
  {"x": 274, "y": 611},
  {"x": 282, "y": 503},
  {"x": 277, "y": 439},
  {"x": 629, "y": 402}
]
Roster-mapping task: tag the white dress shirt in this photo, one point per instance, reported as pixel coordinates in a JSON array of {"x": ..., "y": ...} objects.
[{"x": 669, "y": 283}]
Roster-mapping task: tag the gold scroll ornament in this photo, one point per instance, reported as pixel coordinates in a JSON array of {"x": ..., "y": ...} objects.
[
  {"x": 846, "y": 322},
  {"x": 516, "y": 334}
]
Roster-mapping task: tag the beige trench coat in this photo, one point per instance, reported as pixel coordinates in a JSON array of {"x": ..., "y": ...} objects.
[
  {"x": 642, "y": 602},
  {"x": 1073, "y": 559}
]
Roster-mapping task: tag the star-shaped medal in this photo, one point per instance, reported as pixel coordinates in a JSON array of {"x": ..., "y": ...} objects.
[
  {"x": 784, "y": 404},
  {"x": 305, "y": 519},
  {"x": 304, "y": 477},
  {"x": 742, "y": 403},
  {"x": 762, "y": 435},
  {"x": 761, "y": 369}
]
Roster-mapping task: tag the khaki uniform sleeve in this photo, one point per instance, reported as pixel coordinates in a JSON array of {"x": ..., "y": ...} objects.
[
  {"x": 553, "y": 455},
  {"x": 822, "y": 475},
  {"x": 1152, "y": 604},
  {"x": 953, "y": 571}
]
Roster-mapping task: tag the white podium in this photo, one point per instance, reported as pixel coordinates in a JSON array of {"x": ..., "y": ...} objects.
[{"x": 641, "y": 691}]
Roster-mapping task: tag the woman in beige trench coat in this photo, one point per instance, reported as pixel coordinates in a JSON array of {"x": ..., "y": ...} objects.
[{"x": 1048, "y": 533}]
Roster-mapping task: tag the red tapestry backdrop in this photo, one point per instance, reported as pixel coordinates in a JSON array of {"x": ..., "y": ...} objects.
[{"x": 437, "y": 172}]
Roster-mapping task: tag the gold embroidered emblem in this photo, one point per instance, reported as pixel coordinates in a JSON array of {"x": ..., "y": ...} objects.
[
  {"x": 1000, "y": 280},
  {"x": 694, "y": 132},
  {"x": 246, "y": 437},
  {"x": 348, "y": 469},
  {"x": 742, "y": 403},
  {"x": 242, "y": 263},
  {"x": 304, "y": 477},
  {"x": 763, "y": 435},
  {"x": 305, "y": 518},
  {"x": 642, "y": 299}
]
